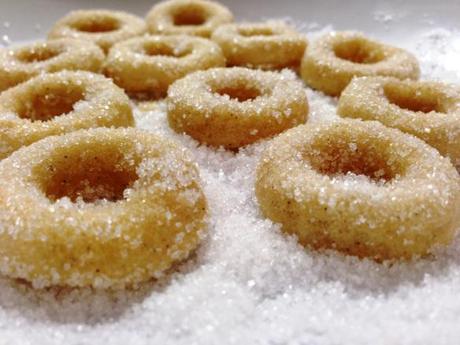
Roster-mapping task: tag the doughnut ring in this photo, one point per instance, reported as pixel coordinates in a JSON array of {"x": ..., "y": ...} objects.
[
  {"x": 360, "y": 188},
  {"x": 234, "y": 107},
  {"x": 20, "y": 64},
  {"x": 149, "y": 64},
  {"x": 103, "y": 27},
  {"x": 270, "y": 45},
  {"x": 187, "y": 17},
  {"x": 112, "y": 208},
  {"x": 57, "y": 103},
  {"x": 332, "y": 61},
  {"x": 428, "y": 110}
]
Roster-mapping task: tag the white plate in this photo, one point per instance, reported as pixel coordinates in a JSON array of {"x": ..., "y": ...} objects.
[{"x": 250, "y": 284}]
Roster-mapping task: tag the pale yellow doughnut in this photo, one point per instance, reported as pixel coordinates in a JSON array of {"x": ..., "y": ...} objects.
[
  {"x": 234, "y": 107},
  {"x": 149, "y": 64},
  {"x": 106, "y": 208},
  {"x": 187, "y": 17},
  {"x": 103, "y": 27},
  {"x": 428, "y": 110},
  {"x": 57, "y": 103},
  {"x": 361, "y": 188},
  {"x": 269, "y": 45},
  {"x": 22, "y": 63},
  {"x": 333, "y": 60}
]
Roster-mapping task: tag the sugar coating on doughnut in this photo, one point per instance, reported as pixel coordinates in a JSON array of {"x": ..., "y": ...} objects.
[
  {"x": 149, "y": 64},
  {"x": 187, "y": 17},
  {"x": 103, "y": 27},
  {"x": 268, "y": 45},
  {"x": 111, "y": 208},
  {"x": 428, "y": 110},
  {"x": 360, "y": 188},
  {"x": 234, "y": 107},
  {"x": 334, "y": 59},
  {"x": 57, "y": 103},
  {"x": 22, "y": 63}
]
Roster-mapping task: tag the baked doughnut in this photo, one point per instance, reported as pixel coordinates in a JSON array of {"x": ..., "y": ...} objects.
[
  {"x": 361, "y": 188},
  {"x": 428, "y": 110},
  {"x": 22, "y": 63},
  {"x": 57, "y": 103},
  {"x": 333, "y": 60},
  {"x": 187, "y": 17},
  {"x": 270, "y": 45},
  {"x": 149, "y": 64},
  {"x": 234, "y": 107},
  {"x": 103, "y": 27},
  {"x": 111, "y": 208}
]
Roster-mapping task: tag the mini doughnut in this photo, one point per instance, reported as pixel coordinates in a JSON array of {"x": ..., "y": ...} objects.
[
  {"x": 270, "y": 45},
  {"x": 428, "y": 110},
  {"x": 187, "y": 17},
  {"x": 234, "y": 107},
  {"x": 103, "y": 27},
  {"x": 57, "y": 103},
  {"x": 332, "y": 61},
  {"x": 22, "y": 63},
  {"x": 111, "y": 208},
  {"x": 360, "y": 188},
  {"x": 149, "y": 64}
]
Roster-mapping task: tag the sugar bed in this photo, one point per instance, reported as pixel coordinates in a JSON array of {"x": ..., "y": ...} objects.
[{"x": 250, "y": 284}]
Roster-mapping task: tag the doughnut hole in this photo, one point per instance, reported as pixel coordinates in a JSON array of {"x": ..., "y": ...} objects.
[
  {"x": 90, "y": 175},
  {"x": 37, "y": 54},
  {"x": 358, "y": 50},
  {"x": 240, "y": 90},
  {"x": 255, "y": 31},
  {"x": 190, "y": 15},
  {"x": 335, "y": 156},
  {"x": 241, "y": 94},
  {"x": 98, "y": 24},
  {"x": 163, "y": 49},
  {"x": 417, "y": 99},
  {"x": 52, "y": 100}
]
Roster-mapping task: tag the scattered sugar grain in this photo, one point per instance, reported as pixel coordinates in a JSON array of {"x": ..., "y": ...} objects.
[{"x": 248, "y": 283}]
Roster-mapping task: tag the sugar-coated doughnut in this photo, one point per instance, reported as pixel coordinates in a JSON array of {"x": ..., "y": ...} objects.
[
  {"x": 22, "y": 63},
  {"x": 269, "y": 45},
  {"x": 333, "y": 60},
  {"x": 106, "y": 208},
  {"x": 149, "y": 64},
  {"x": 187, "y": 17},
  {"x": 57, "y": 103},
  {"x": 234, "y": 107},
  {"x": 361, "y": 188},
  {"x": 103, "y": 27},
  {"x": 428, "y": 110}
]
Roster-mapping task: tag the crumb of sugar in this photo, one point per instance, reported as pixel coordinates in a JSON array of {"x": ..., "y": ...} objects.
[{"x": 250, "y": 284}]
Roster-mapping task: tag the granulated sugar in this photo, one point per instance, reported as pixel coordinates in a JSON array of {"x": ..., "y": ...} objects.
[{"x": 250, "y": 284}]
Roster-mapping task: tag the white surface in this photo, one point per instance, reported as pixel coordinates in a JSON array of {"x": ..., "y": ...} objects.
[
  {"x": 248, "y": 283},
  {"x": 31, "y": 19}
]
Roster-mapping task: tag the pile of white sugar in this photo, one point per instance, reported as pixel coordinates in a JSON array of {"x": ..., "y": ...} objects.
[{"x": 250, "y": 284}]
